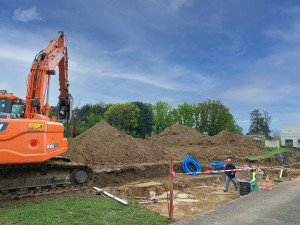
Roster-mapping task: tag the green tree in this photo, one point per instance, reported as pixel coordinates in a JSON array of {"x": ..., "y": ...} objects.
[
  {"x": 185, "y": 114},
  {"x": 212, "y": 117},
  {"x": 237, "y": 129},
  {"x": 145, "y": 120},
  {"x": 260, "y": 123},
  {"x": 164, "y": 116},
  {"x": 234, "y": 127},
  {"x": 81, "y": 113},
  {"x": 53, "y": 111},
  {"x": 256, "y": 120},
  {"x": 266, "y": 124},
  {"x": 123, "y": 116},
  {"x": 93, "y": 119}
]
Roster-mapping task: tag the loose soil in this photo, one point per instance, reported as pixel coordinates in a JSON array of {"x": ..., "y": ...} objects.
[
  {"x": 193, "y": 194},
  {"x": 131, "y": 167},
  {"x": 105, "y": 146}
]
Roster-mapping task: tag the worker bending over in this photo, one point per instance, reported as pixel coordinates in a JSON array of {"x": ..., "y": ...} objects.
[{"x": 230, "y": 175}]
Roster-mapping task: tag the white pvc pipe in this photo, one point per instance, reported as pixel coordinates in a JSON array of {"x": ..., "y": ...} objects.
[
  {"x": 152, "y": 202},
  {"x": 281, "y": 171},
  {"x": 110, "y": 195}
]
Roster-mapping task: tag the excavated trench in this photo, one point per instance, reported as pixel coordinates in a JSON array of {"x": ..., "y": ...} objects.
[
  {"x": 115, "y": 176},
  {"x": 193, "y": 194}
]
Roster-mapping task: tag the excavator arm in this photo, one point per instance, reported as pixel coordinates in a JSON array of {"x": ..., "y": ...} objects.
[{"x": 38, "y": 81}]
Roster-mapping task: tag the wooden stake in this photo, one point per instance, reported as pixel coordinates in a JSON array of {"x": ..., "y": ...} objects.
[{"x": 171, "y": 189}]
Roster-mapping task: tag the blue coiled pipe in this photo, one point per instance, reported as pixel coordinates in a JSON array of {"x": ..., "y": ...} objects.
[
  {"x": 188, "y": 161},
  {"x": 186, "y": 165}
]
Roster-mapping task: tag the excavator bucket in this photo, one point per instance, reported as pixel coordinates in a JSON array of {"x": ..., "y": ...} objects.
[{"x": 65, "y": 108}]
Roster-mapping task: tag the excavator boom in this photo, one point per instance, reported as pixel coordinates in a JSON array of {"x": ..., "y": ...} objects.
[{"x": 43, "y": 67}]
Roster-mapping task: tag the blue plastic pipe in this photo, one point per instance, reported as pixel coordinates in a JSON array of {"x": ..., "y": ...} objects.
[
  {"x": 218, "y": 164},
  {"x": 189, "y": 161}
]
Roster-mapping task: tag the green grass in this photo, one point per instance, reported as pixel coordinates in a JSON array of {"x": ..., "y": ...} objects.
[
  {"x": 257, "y": 157},
  {"x": 77, "y": 210},
  {"x": 276, "y": 150},
  {"x": 271, "y": 150}
]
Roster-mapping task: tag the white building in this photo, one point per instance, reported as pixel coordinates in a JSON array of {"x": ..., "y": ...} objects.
[{"x": 290, "y": 135}]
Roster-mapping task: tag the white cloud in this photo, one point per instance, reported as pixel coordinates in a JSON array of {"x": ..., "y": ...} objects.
[
  {"x": 176, "y": 4},
  {"x": 283, "y": 61},
  {"x": 26, "y": 15},
  {"x": 105, "y": 70},
  {"x": 256, "y": 95},
  {"x": 175, "y": 78},
  {"x": 145, "y": 79},
  {"x": 295, "y": 10},
  {"x": 15, "y": 53},
  {"x": 291, "y": 34}
]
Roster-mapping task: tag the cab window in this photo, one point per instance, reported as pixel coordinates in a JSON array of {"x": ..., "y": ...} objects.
[
  {"x": 18, "y": 106},
  {"x": 2, "y": 105}
]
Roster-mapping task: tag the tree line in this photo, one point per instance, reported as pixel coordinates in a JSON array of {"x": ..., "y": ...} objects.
[{"x": 141, "y": 119}]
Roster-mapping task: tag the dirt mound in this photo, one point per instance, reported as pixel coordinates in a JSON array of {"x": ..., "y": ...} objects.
[
  {"x": 229, "y": 138},
  {"x": 207, "y": 148},
  {"x": 180, "y": 130},
  {"x": 105, "y": 146}
]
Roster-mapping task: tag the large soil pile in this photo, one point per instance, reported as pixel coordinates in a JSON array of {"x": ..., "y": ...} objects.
[
  {"x": 104, "y": 145},
  {"x": 181, "y": 141}
]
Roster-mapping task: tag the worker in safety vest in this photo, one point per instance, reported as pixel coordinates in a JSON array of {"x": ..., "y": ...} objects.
[
  {"x": 73, "y": 131},
  {"x": 230, "y": 175}
]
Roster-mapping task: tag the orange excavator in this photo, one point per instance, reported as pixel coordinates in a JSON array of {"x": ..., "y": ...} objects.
[{"x": 30, "y": 142}]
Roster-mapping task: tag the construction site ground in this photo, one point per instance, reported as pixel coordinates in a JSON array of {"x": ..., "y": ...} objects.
[
  {"x": 193, "y": 194},
  {"x": 278, "y": 206},
  {"x": 131, "y": 168}
]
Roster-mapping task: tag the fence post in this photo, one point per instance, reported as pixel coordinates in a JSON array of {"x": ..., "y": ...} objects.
[{"x": 171, "y": 189}]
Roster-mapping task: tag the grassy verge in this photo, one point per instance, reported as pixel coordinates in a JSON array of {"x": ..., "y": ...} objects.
[
  {"x": 276, "y": 150},
  {"x": 271, "y": 150},
  {"x": 257, "y": 157},
  {"x": 77, "y": 210}
]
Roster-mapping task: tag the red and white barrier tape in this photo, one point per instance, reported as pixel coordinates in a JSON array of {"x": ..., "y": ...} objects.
[{"x": 222, "y": 171}]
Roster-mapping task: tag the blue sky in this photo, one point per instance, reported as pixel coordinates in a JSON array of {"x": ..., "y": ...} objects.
[{"x": 244, "y": 53}]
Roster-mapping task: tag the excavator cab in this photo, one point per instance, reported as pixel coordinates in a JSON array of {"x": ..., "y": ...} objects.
[{"x": 10, "y": 105}]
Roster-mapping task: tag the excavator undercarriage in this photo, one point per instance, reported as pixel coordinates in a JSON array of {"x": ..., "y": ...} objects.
[{"x": 56, "y": 175}]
